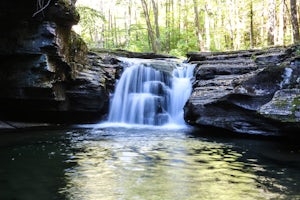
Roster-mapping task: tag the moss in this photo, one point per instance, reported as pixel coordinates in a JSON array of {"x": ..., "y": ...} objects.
[
  {"x": 77, "y": 49},
  {"x": 253, "y": 57},
  {"x": 296, "y": 104},
  {"x": 281, "y": 104},
  {"x": 296, "y": 101}
]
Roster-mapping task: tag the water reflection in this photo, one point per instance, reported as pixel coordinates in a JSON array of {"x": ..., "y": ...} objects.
[
  {"x": 148, "y": 164},
  {"x": 32, "y": 165}
]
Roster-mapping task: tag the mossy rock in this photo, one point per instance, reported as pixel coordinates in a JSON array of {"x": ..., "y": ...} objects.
[
  {"x": 78, "y": 49},
  {"x": 284, "y": 107}
]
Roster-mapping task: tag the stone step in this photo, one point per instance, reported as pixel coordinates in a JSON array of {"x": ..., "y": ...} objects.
[
  {"x": 201, "y": 56},
  {"x": 208, "y": 71},
  {"x": 222, "y": 80},
  {"x": 245, "y": 61},
  {"x": 270, "y": 58}
]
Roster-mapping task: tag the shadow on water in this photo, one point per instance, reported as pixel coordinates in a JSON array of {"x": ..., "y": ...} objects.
[
  {"x": 145, "y": 163},
  {"x": 32, "y": 165}
]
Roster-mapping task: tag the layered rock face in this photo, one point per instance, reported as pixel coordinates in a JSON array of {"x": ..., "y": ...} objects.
[
  {"x": 254, "y": 92},
  {"x": 46, "y": 74}
]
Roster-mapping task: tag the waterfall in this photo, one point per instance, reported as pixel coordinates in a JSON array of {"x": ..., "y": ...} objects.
[
  {"x": 151, "y": 92},
  {"x": 286, "y": 77}
]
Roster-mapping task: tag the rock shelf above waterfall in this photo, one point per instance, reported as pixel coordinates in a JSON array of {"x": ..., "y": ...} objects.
[
  {"x": 251, "y": 92},
  {"x": 163, "y": 65}
]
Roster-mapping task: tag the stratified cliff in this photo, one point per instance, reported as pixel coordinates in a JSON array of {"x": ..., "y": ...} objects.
[
  {"x": 253, "y": 92},
  {"x": 46, "y": 74}
]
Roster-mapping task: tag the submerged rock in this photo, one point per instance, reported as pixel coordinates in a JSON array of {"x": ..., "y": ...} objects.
[{"x": 253, "y": 92}]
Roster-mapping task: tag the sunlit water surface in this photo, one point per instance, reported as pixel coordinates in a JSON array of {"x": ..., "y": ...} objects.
[{"x": 144, "y": 163}]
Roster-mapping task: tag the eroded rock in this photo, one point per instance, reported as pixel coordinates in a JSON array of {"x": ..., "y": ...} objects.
[
  {"x": 253, "y": 92},
  {"x": 45, "y": 73}
]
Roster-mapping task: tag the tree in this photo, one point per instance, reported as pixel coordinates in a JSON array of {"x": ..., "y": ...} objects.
[
  {"x": 271, "y": 21},
  {"x": 168, "y": 25},
  {"x": 157, "y": 32},
  {"x": 178, "y": 26},
  {"x": 89, "y": 23},
  {"x": 251, "y": 25},
  {"x": 197, "y": 24},
  {"x": 294, "y": 20},
  {"x": 149, "y": 26},
  {"x": 281, "y": 23},
  {"x": 207, "y": 25}
]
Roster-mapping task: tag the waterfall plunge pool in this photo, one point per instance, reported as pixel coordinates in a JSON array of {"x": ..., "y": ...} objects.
[{"x": 145, "y": 163}]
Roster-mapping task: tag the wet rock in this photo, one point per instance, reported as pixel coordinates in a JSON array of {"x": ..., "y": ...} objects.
[
  {"x": 284, "y": 106},
  {"x": 253, "y": 92}
]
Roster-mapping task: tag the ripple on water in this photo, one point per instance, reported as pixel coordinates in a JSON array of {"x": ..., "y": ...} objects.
[{"x": 117, "y": 163}]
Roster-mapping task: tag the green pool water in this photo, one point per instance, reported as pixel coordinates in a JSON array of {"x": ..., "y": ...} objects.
[{"x": 145, "y": 163}]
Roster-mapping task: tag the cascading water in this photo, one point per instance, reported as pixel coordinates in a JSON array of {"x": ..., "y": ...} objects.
[
  {"x": 181, "y": 90},
  {"x": 151, "y": 92}
]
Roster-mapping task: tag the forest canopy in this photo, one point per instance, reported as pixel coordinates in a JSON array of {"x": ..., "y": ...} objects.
[{"x": 179, "y": 26}]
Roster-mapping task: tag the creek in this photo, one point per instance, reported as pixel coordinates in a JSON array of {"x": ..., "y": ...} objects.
[{"x": 146, "y": 151}]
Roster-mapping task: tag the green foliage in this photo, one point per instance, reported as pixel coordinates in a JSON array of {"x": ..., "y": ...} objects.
[
  {"x": 91, "y": 22},
  {"x": 139, "y": 42},
  {"x": 89, "y": 15},
  {"x": 223, "y": 24}
]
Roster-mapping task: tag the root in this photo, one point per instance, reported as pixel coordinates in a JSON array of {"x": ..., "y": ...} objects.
[{"x": 41, "y": 6}]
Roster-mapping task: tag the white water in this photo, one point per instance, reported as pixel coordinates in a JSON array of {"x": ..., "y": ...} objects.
[
  {"x": 147, "y": 96},
  {"x": 286, "y": 77}
]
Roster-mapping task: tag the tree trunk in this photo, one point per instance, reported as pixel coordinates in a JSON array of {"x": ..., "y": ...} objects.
[
  {"x": 197, "y": 24},
  {"x": 230, "y": 41},
  {"x": 251, "y": 26},
  {"x": 149, "y": 26},
  {"x": 294, "y": 21},
  {"x": 168, "y": 32},
  {"x": 111, "y": 33},
  {"x": 281, "y": 24},
  {"x": 185, "y": 21},
  {"x": 207, "y": 27},
  {"x": 128, "y": 24},
  {"x": 218, "y": 22},
  {"x": 179, "y": 20},
  {"x": 237, "y": 26},
  {"x": 271, "y": 21},
  {"x": 116, "y": 32},
  {"x": 157, "y": 33},
  {"x": 172, "y": 23}
]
